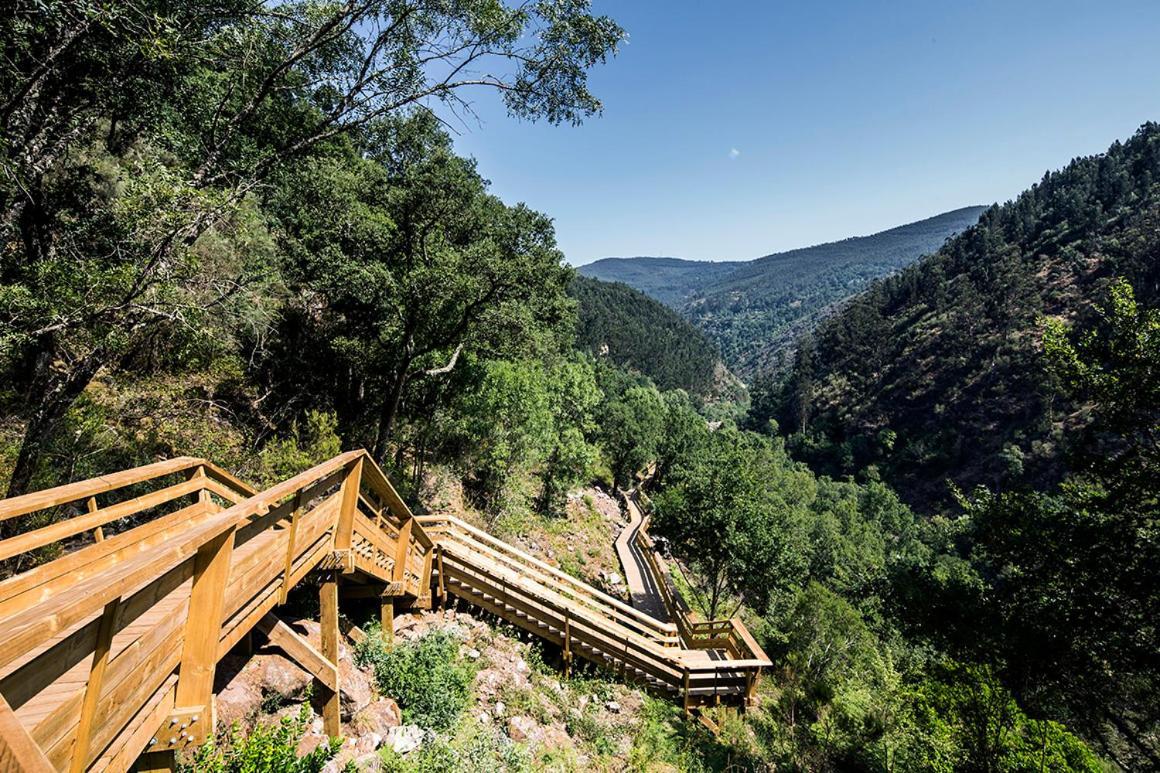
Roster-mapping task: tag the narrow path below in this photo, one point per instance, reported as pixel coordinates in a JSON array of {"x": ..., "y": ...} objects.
[{"x": 642, "y": 586}]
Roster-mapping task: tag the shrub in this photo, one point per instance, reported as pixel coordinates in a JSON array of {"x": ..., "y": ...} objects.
[
  {"x": 269, "y": 748},
  {"x": 425, "y": 676}
]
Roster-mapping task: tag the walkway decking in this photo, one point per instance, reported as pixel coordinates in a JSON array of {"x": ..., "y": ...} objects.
[
  {"x": 642, "y": 585},
  {"x": 108, "y": 652}
]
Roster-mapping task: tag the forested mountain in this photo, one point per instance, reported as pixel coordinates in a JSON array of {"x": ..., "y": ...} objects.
[
  {"x": 755, "y": 312},
  {"x": 754, "y": 309},
  {"x": 670, "y": 280},
  {"x": 641, "y": 334},
  {"x": 938, "y": 373}
]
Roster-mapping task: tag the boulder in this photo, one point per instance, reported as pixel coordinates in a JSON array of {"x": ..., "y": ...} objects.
[
  {"x": 379, "y": 717},
  {"x": 520, "y": 728},
  {"x": 405, "y": 738}
]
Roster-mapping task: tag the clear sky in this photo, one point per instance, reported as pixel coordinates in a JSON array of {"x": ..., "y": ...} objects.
[{"x": 736, "y": 129}]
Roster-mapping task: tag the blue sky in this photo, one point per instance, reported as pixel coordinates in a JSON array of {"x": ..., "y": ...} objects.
[{"x": 736, "y": 129}]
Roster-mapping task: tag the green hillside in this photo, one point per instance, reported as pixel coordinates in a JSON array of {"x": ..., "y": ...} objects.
[
  {"x": 670, "y": 280},
  {"x": 643, "y": 335},
  {"x": 938, "y": 373},
  {"x": 753, "y": 310}
]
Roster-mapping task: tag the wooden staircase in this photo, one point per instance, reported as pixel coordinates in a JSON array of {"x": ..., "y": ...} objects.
[{"x": 108, "y": 651}]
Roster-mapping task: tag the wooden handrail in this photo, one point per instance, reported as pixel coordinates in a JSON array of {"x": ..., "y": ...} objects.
[{"x": 139, "y": 619}]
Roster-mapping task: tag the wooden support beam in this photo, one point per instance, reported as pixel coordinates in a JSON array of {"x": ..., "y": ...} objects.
[
  {"x": 328, "y": 618},
  {"x": 105, "y": 631},
  {"x": 300, "y": 651},
  {"x": 442, "y": 580},
  {"x": 403, "y": 550},
  {"x": 567, "y": 646},
  {"x": 350, "y": 486},
  {"x": 387, "y": 616},
  {"x": 290, "y": 548},
  {"x": 203, "y": 625},
  {"x": 17, "y": 749}
]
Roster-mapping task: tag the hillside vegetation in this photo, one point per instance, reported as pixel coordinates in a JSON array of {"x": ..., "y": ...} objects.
[
  {"x": 753, "y": 310},
  {"x": 938, "y": 373},
  {"x": 639, "y": 333}
]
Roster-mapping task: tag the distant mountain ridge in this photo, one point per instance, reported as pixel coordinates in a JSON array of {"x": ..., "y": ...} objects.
[
  {"x": 753, "y": 310},
  {"x": 669, "y": 280}
]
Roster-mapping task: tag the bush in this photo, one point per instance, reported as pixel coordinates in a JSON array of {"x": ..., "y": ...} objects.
[
  {"x": 426, "y": 677},
  {"x": 269, "y": 748}
]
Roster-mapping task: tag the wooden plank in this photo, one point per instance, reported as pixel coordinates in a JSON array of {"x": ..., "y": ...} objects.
[
  {"x": 328, "y": 619},
  {"x": 39, "y": 583},
  {"x": 299, "y": 650},
  {"x": 74, "y": 492},
  {"x": 17, "y": 749},
  {"x": 80, "y": 755},
  {"x": 46, "y": 535}
]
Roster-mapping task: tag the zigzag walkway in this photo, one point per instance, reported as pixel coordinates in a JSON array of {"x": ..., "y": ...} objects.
[{"x": 108, "y": 651}]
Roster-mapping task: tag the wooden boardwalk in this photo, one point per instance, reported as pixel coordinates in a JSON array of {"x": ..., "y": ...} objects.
[{"x": 109, "y": 650}]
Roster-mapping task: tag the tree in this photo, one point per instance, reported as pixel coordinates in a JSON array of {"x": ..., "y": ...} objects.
[
  {"x": 573, "y": 397},
  {"x": 632, "y": 428},
  {"x": 410, "y": 266},
  {"x": 1073, "y": 581},
  {"x": 131, "y": 130},
  {"x": 730, "y": 517}
]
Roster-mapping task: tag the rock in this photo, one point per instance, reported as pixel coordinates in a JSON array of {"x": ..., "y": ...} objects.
[
  {"x": 614, "y": 578},
  {"x": 380, "y": 716},
  {"x": 500, "y": 708},
  {"x": 612, "y": 706},
  {"x": 310, "y": 741},
  {"x": 240, "y": 700},
  {"x": 405, "y": 738},
  {"x": 520, "y": 728},
  {"x": 473, "y": 654},
  {"x": 357, "y": 692},
  {"x": 484, "y": 718}
]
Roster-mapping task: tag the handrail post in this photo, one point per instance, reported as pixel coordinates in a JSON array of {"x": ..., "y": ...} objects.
[
  {"x": 292, "y": 540},
  {"x": 350, "y": 485},
  {"x": 91, "y": 506},
  {"x": 105, "y": 633}
]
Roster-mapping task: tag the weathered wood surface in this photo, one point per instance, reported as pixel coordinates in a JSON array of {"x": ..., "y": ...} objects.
[{"x": 109, "y": 651}]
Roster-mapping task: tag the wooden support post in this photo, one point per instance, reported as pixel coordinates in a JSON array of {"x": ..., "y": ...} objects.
[
  {"x": 442, "y": 581},
  {"x": 203, "y": 496},
  {"x": 105, "y": 631},
  {"x": 328, "y": 619},
  {"x": 387, "y": 614},
  {"x": 685, "y": 686},
  {"x": 203, "y": 625},
  {"x": 18, "y": 751},
  {"x": 99, "y": 532},
  {"x": 567, "y": 646},
  {"x": 290, "y": 547},
  {"x": 350, "y": 486},
  {"x": 402, "y": 550}
]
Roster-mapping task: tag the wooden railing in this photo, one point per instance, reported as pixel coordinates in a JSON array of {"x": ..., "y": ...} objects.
[{"x": 108, "y": 651}]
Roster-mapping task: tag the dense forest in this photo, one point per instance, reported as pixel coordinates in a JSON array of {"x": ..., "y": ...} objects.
[
  {"x": 242, "y": 231},
  {"x": 639, "y": 333},
  {"x": 1020, "y": 365},
  {"x": 939, "y": 373},
  {"x": 754, "y": 310}
]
